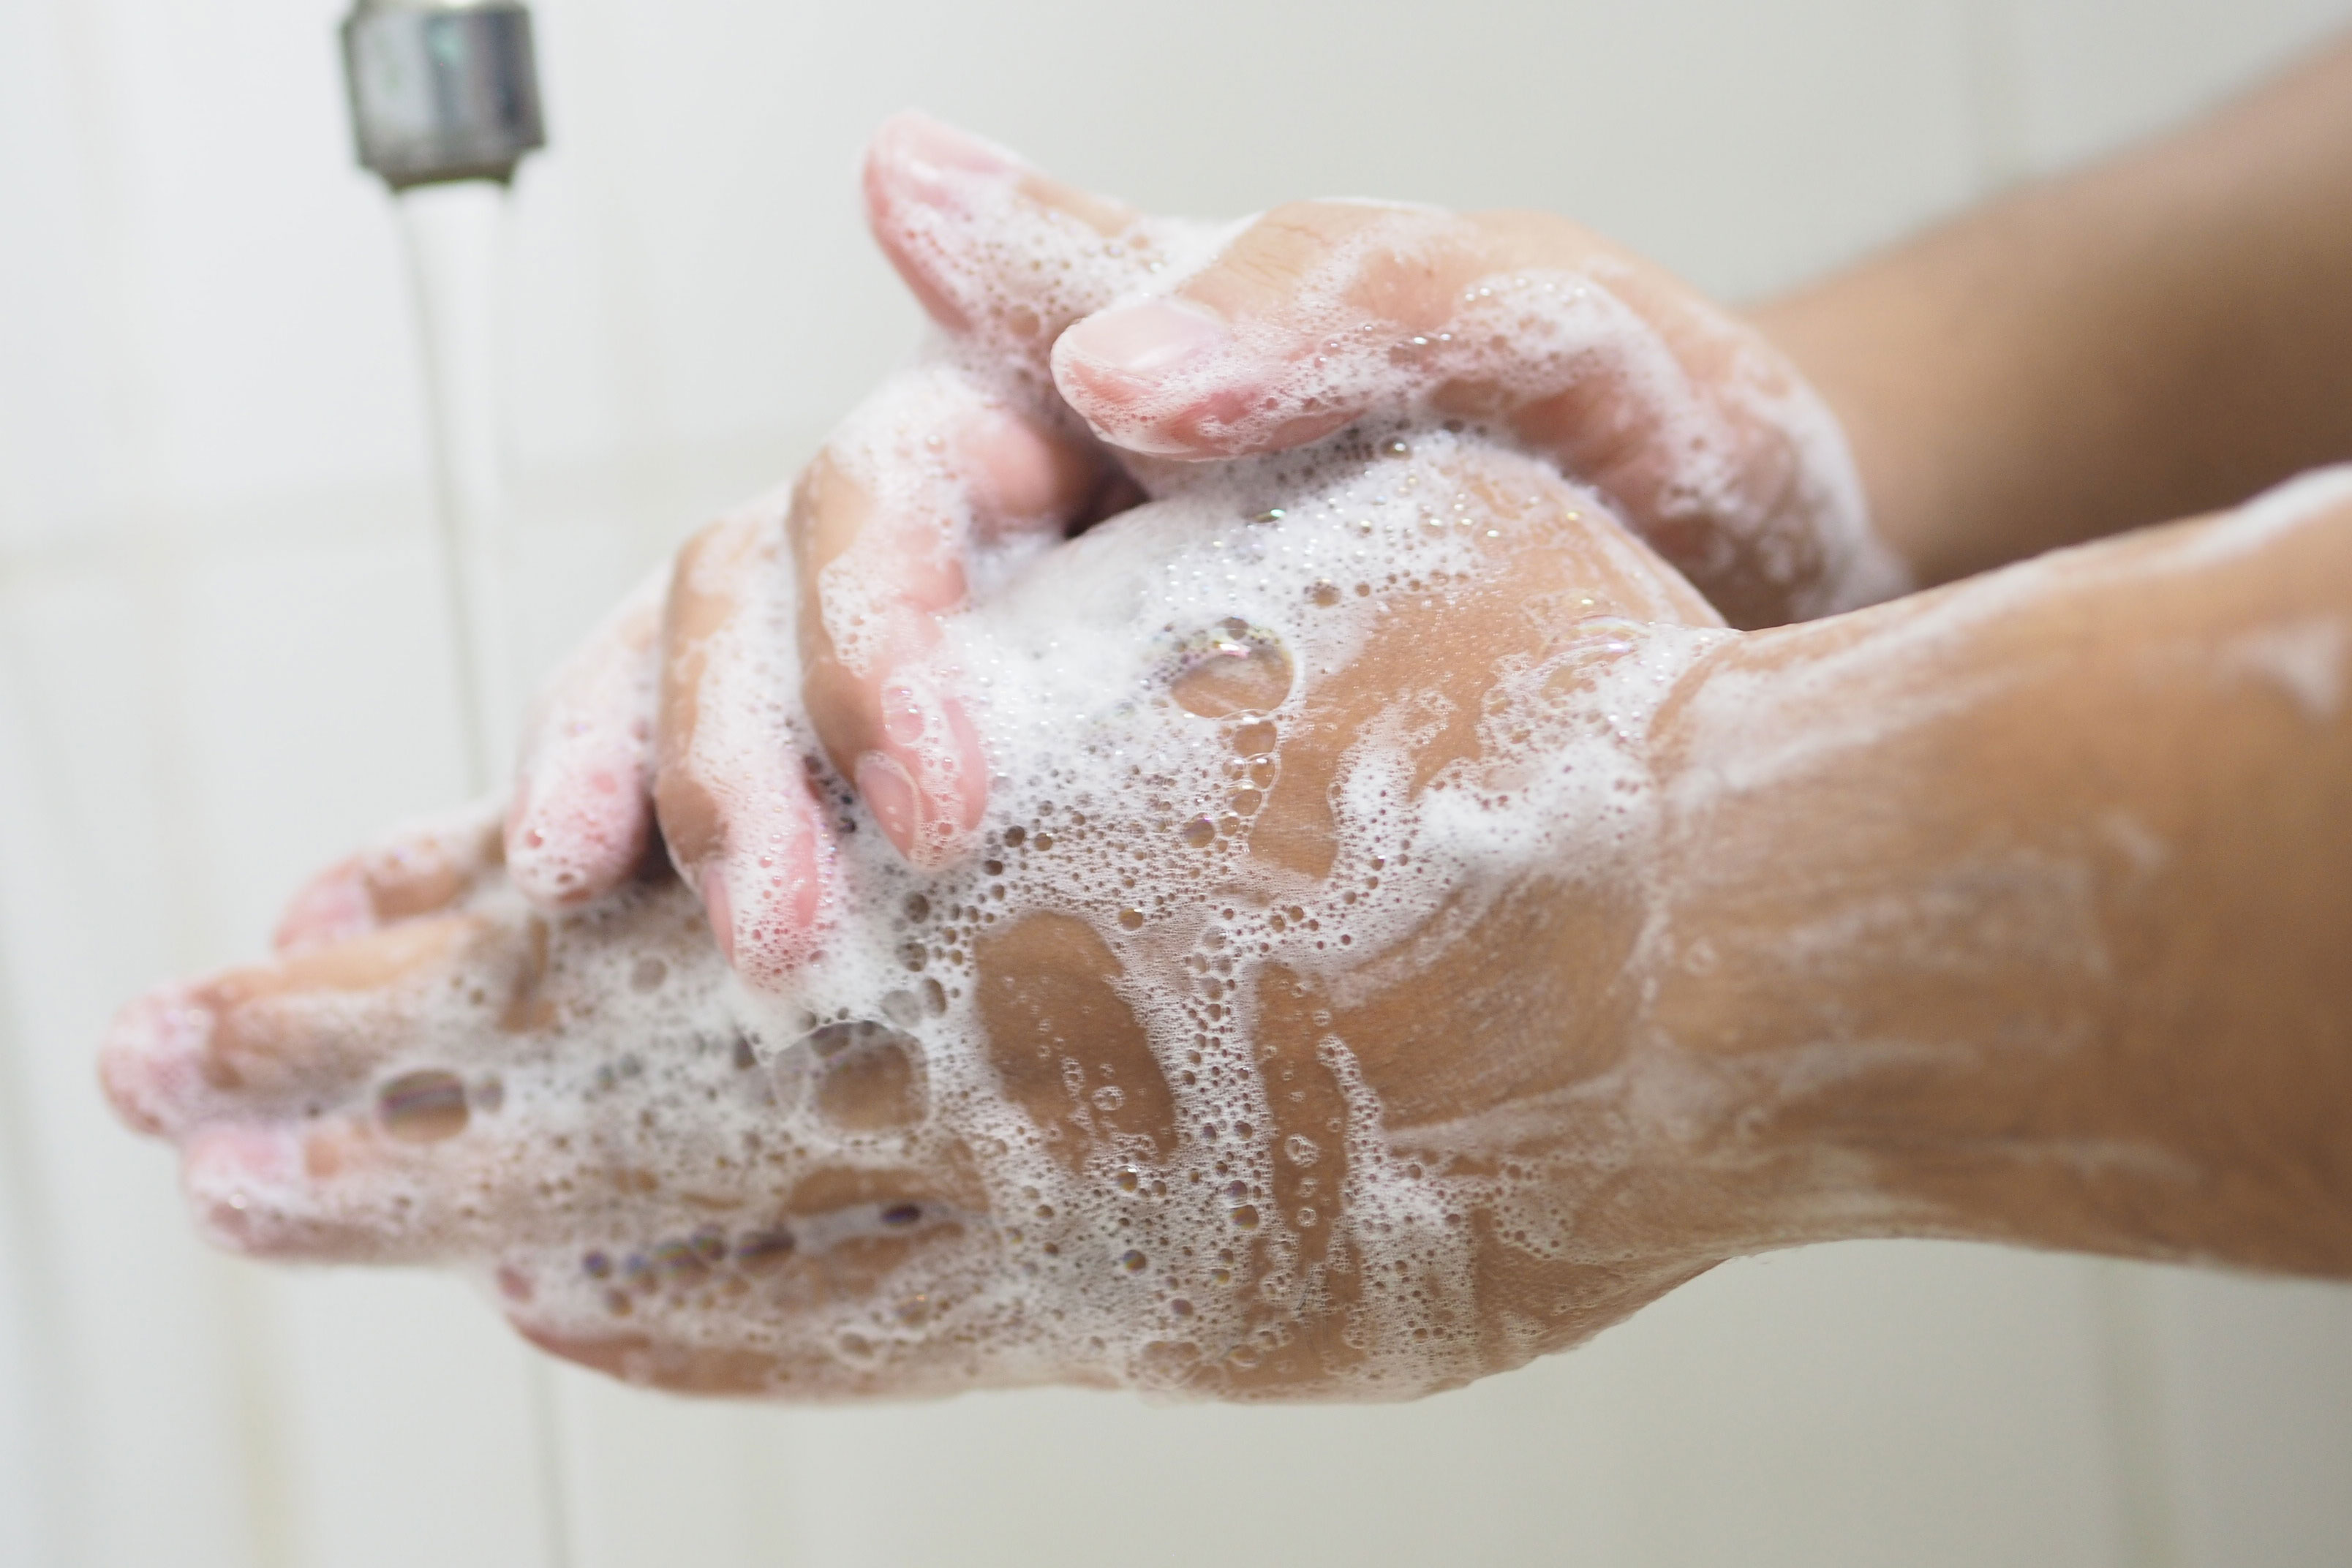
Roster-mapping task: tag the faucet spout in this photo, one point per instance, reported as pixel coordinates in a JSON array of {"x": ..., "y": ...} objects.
[{"x": 442, "y": 89}]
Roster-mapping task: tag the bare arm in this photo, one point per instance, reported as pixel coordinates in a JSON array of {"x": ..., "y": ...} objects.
[
  {"x": 2159, "y": 335},
  {"x": 2023, "y": 905}
]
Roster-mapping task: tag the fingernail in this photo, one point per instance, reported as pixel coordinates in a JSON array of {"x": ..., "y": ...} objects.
[
  {"x": 720, "y": 909},
  {"x": 927, "y": 152},
  {"x": 1148, "y": 338},
  {"x": 889, "y": 794},
  {"x": 904, "y": 714}
]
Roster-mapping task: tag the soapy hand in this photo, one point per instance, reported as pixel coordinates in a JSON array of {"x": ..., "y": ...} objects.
[
  {"x": 1190, "y": 344},
  {"x": 1282, "y": 1036}
]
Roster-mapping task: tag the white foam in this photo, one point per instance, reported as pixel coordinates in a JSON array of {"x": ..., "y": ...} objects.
[{"x": 655, "y": 1127}]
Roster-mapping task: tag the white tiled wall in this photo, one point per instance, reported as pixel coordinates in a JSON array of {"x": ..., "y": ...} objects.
[{"x": 222, "y": 659}]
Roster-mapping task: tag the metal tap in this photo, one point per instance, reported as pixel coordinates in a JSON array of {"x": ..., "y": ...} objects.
[{"x": 442, "y": 89}]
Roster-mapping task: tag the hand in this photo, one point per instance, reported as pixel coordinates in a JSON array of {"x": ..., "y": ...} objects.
[
  {"x": 1544, "y": 336},
  {"x": 1285, "y": 1040},
  {"x": 970, "y": 451},
  {"x": 1534, "y": 332}
]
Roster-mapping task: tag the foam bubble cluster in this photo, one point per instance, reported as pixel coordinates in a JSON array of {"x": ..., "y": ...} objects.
[
  {"x": 1085, "y": 1106},
  {"x": 1109, "y": 1099}
]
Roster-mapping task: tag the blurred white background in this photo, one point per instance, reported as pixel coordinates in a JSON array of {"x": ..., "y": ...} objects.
[{"x": 224, "y": 660}]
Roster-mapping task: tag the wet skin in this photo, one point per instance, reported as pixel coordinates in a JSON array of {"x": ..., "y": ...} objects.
[
  {"x": 2076, "y": 844},
  {"x": 311, "y": 1130},
  {"x": 2006, "y": 912}
]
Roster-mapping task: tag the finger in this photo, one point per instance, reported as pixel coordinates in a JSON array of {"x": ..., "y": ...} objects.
[
  {"x": 1323, "y": 313},
  {"x": 306, "y": 1025},
  {"x": 416, "y": 872},
  {"x": 996, "y": 250},
  {"x": 931, "y": 469},
  {"x": 843, "y": 1240},
  {"x": 338, "y": 1190},
  {"x": 732, "y": 795},
  {"x": 582, "y": 810},
  {"x": 937, "y": 467}
]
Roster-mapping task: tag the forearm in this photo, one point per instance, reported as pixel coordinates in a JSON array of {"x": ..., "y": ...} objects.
[
  {"x": 2020, "y": 910},
  {"x": 2162, "y": 334}
]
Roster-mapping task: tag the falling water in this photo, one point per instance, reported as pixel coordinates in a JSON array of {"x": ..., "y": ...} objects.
[
  {"x": 454, "y": 237},
  {"x": 452, "y": 234}
]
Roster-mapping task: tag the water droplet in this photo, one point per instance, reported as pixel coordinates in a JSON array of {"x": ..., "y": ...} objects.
[{"x": 1234, "y": 668}]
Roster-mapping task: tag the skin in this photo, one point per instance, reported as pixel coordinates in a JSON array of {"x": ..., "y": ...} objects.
[
  {"x": 2159, "y": 335},
  {"x": 2006, "y": 912},
  {"x": 1014, "y": 427}
]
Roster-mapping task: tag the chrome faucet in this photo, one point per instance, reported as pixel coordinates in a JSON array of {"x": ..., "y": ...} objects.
[{"x": 442, "y": 89}]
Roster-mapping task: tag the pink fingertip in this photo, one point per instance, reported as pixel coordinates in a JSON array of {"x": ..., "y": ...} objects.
[
  {"x": 333, "y": 906},
  {"x": 776, "y": 894},
  {"x": 903, "y": 716},
  {"x": 237, "y": 1178},
  {"x": 719, "y": 908},
  {"x": 150, "y": 1061},
  {"x": 578, "y": 838},
  {"x": 229, "y": 1153},
  {"x": 889, "y": 794},
  {"x": 924, "y": 155}
]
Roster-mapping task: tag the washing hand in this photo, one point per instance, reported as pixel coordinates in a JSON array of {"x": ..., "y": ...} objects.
[
  {"x": 1281, "y": 1038},
  {"x": 1521, "y": 330}
]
